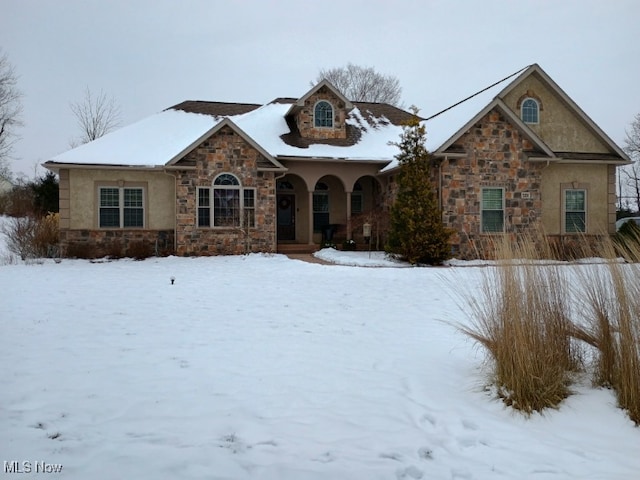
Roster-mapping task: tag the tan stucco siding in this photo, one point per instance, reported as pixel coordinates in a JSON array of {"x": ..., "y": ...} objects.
[
  {"x": 159, "y": 196},
  {"x": 595, "y": 179},
  {"x": 559, "y": 127}
]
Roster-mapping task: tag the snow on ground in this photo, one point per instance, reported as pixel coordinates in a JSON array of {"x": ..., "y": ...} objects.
[{"x": 265, "y": 367}]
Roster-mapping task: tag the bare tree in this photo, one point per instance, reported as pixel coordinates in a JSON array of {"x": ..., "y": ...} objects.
[
  {"x": 631, "y": 173},
  {"x": 96, "y": 116},
  {"x": 363, "y": 84},
  {"x": 10, "y": 112}
]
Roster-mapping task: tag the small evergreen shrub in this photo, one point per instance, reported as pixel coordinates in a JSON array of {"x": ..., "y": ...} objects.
[{"x": 349, "y": 245}]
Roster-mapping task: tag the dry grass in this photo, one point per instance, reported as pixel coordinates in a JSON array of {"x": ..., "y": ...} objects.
[
  {"x": 522, "y": 319},
  {"x": 611, "y": 321}
]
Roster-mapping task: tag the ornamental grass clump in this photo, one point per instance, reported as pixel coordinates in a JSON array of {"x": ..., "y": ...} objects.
[
  {"x": 610, "y": 321},
  {"x": 522, "y": 319}
]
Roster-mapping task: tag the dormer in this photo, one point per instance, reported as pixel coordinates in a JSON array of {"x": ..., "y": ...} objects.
[{"x": 321, "y": 112}]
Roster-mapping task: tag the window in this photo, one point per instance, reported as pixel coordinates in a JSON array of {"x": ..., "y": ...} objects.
[
  {"x": 204, "y": 207},
  {"x": 575, "y": 207},
  {"x": 320, "y": 207},
  {"x": 133, "y": 211},
  {"x": 232, "y": 205},
  {"x": 492, "y": 210},
  {"x": 356, "y": 198},
  {"x": 249, "y": 211},
  {"x": 121, "y": 207},
  {"x": 530, "y": 111},
  {"x": 323, "y": 114}
]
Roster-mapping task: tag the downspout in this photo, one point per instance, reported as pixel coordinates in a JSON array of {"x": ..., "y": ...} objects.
[
  {"x": 440, "y": 183},
  {"x": 175, "y": 216}
]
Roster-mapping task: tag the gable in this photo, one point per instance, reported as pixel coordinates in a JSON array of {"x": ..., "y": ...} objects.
[
  {"x": 495, "y": 134},
  {"x": 305, "y": 115},
  {"x": 560, "y": 126},
  {"x": 225, "y": 140}
]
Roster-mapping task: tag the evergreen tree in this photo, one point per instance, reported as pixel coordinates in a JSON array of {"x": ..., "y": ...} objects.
[
  {"x": 45, "y": 194},
  {"x": 416, "y": 231}
]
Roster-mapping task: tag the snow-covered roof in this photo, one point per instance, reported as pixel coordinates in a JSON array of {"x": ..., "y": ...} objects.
[
  {"x": 160, "y": 138},
  {"x": 267, "y": 124},
  {"x": 156, "y": 140},
  {"x": 445, "y": 125},
  {"x": 151, "y": 141}
]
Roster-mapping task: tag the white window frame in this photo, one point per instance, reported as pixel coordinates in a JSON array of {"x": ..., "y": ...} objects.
[
  {"x": 522, "y": 111},
  {"x": 247, "y": 199},
  {"x": 565, "y": 211},
  {"x": 482, "y": 210},
  {"x": 316, "y": 119},
  {"x": 121, "y": 188}
]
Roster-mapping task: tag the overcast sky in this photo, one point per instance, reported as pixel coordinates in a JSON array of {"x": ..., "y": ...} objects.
[{"x": 152, "y": 54}]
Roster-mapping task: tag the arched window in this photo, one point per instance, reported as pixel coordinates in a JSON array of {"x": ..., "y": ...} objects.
[
  {"x": 232, "y": 205},
  {"x": 530, "y": 111},
  {"x": 323, "y": 114}
]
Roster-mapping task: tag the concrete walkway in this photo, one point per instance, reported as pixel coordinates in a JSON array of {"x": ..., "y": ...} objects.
[{"x": 308, "y": 257}]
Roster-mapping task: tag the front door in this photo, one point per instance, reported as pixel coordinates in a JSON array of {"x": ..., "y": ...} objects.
[{"x": 286, "y": 217}]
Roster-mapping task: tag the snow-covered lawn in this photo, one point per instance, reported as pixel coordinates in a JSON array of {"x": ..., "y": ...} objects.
[{"x": 263, "y": 367}]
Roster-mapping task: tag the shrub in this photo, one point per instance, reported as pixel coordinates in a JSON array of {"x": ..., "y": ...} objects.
[
  {"x": 139, "y": 250},
  {"x": 81, "y": 250},
  {"x": 33, "y": 237},
  {"x": 349, "y": 245}
]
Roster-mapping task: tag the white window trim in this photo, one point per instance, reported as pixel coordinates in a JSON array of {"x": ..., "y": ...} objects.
[
  {"x": 537, "y": 122},
  {"x": 211, "y": 208},
  {"x": 564, "y": 209},
  {"x": 332, "y": 115},
  {"x": 121, "y": 187},
  {"x": 504, "y": 223}
]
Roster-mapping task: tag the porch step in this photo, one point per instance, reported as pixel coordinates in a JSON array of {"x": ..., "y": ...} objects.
[{"x": 287, "y": 248}]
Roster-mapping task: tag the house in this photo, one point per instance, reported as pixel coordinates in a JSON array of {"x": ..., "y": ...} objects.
[{"x": 207, "y": 178}]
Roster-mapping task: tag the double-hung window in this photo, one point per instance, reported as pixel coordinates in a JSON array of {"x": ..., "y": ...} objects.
[
  {"x": 226, "y": 203},
  {"x": 320, "y": 206},
  {"x": 492, "y": 210},
  {"x": 575, "y": 211},
  {"x": 121, "y": 207},
  {"x": 356, "y": 199}
]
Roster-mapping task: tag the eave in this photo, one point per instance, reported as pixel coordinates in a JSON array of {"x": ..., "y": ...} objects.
[
  {"x": 55, "y": 166},
  {"x": 382, "y": 162}
]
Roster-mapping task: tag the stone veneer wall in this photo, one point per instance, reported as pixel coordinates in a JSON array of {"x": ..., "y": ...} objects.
[
  {"x": 305, "y": 122},
  {"x": 116, "y": 243},
  {"x": 224, "y": 152},
  {"x": 494, "y": 159}
]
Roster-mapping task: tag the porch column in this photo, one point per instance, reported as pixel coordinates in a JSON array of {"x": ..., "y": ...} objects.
[
  {"x": 310, "y": 216},
  {"x": 348, "y": 215}
]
